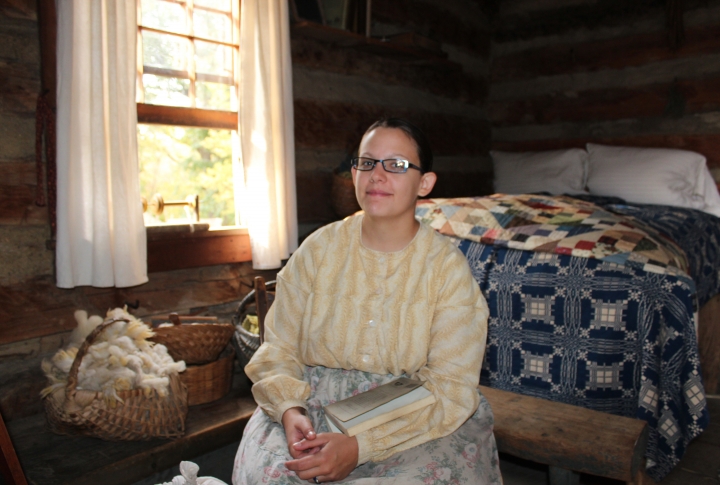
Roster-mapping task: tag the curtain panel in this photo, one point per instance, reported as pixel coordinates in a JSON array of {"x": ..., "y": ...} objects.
[
  {"x": 100, "y": 232},
  {"x": 267, "y": 147}
]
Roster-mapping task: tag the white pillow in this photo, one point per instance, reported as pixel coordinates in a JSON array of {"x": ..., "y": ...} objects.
[
  {"x": 557, "y": 171},
  {"x": 662, "y": 176}
]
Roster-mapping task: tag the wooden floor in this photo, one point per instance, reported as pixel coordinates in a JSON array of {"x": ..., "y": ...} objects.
[{"x": 699, "y": 466}]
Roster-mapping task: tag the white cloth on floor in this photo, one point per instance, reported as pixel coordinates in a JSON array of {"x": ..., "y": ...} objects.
[{"x": 189, "y": 476}]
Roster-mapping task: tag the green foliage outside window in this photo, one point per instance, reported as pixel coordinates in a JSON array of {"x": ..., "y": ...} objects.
[{"x": 177, "y": 161}]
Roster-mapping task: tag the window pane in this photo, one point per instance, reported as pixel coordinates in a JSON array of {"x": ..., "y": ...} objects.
[
  {"x": 216, "y": 4},
  {"x": 165, "y": 51},
  {"x": 211, "y": 25},
  {"x": 168, "y": 91},
  {"x": 213, "y": 58},
  {"x": 213, "y": 96},
  {"x": 177, "y": 162},
  {"x": 164, "y": 15}
]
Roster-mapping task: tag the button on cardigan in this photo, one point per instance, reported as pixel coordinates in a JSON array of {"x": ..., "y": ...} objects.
[{"x": 417, "y": 311}]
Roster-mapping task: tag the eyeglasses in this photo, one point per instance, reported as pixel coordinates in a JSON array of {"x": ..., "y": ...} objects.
[{"x": 392, "y": 165}]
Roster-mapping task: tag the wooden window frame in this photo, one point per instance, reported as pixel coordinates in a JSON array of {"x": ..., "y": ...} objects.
[{"x": 165, "y": 250}]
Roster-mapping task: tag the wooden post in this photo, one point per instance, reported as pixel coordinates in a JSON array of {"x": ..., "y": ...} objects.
[
  {"x": 47, "y": 28},
  {"x": 9, "y": 463}
]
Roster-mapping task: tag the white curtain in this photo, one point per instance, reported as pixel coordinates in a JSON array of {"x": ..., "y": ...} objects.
[
  {"x": 268, "y": 204},
  {"x": 100, "y": 232}
]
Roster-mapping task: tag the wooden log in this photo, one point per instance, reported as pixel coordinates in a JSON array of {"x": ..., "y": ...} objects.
[
  {"x": 471, "y": 33},
  {"x": 451, "y": 84},
  {"x": 17, "y": 206},
  {"x": 690, "y": 96},
  {"x": 567, "y": 437},
  {"x": 313, "y": 196},
  {"x": 339, "y": 125},
  {"x": 706, "y": 144},
  {"x": 534, "y": 18},
  {"x": 194, "y": 250},
  {"x": 568, "y": 57},
  {"x": 38, "y": 308}
]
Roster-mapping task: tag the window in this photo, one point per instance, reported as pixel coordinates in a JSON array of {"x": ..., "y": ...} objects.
[
  {"x": 187, "y": 85},
  {"x": 188, "y": 53}
]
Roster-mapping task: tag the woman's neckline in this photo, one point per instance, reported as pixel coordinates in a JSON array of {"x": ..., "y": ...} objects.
[{"x": 386, "y": 253}]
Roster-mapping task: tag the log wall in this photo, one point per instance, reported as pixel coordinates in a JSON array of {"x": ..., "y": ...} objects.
[
  {"x": 568, "y": 72},
  {"x": 338, "y": 92}
]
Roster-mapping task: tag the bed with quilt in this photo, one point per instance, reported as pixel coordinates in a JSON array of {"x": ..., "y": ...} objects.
[{"x": 594, "y": 300}]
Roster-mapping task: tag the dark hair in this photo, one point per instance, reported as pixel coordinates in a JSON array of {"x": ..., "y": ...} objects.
[{"x": 414, "y": 133}]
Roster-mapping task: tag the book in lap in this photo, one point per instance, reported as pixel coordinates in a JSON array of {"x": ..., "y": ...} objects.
[{"x": 377, "y": 406}]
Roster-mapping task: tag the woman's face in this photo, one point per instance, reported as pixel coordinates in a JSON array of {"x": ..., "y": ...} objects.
[{"x": 385, "y": 194}]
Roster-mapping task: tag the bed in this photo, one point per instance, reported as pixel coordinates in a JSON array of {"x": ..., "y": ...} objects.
[{"x": 590, "y": 318}]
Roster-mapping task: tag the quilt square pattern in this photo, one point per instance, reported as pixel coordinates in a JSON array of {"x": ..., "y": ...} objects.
[
  {"x": 614, "y": 333},
  {"x": 559, "y": 224}
]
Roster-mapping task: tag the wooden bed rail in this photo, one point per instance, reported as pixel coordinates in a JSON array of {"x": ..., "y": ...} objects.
[{"x": 568, "y": 437}]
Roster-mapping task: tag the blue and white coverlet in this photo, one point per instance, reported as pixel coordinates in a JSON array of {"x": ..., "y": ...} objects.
[{"x": 602, "y": 335}]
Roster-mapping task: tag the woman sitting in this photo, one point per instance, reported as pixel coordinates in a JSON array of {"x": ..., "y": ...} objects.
[{"x": 362, "y": 302}]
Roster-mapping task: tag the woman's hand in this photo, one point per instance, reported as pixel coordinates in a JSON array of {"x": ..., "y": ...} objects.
[
  {"x": 337, "y": 457},
  {"x": 298, "y": 428}
]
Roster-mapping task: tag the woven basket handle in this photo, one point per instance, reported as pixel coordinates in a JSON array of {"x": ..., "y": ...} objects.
[{"x": 72, "y": 381}]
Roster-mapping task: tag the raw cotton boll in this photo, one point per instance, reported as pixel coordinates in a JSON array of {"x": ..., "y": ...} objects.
[
  {"x": 138, "y": 331},
  {"x": 85, "y": 327},
  {"x": 121, "y": 358},
  {"x": 63, "y": 359},
  {"x": 159, "y": 384},
  {"x": 114, "y": 331},
  {"x": 126, "y": 344},
  {"x": 178, "y": 367},
  {"x": 98, "y": 352},
  {"x": 119, "y": 354}
]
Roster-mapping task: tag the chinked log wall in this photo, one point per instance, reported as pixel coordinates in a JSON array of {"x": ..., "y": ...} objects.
[
  {"x": 566, "y": 73},
  {"x": 338, "y": 92}
]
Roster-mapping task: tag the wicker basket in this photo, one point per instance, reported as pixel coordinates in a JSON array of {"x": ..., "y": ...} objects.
[
  {"x": 195, "y": 343},
  {"x": 342, "y": 195},
  {"x": 209, "y": 382},
  {"x": 137, "y": 417},
  {"x": 246, "y": 343}
]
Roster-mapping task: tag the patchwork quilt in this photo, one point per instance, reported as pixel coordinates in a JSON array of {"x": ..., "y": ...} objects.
[
  {"x": 554, "y": 224},
  {"x": 610, "y": 329}
]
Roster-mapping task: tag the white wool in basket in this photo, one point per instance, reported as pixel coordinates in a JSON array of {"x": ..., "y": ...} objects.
[{"x": 121, "y": 358}]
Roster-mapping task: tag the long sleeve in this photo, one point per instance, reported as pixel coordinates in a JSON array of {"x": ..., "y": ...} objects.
[
  {"x": 455, "y": 351},
  {"x": 416, "y": 312},
  {"x": 276, "y": 367}
]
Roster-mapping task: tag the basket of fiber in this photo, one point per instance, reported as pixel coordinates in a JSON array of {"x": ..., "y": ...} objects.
[
  {"x": 196, "y": 340},
  {"x": 130, "y": 405}
]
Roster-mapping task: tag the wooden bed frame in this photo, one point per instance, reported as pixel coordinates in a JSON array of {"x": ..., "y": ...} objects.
[{"x": 709, "y": 344}]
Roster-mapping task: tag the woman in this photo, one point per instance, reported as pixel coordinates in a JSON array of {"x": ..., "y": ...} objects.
[{"x": 361, "y": 302}]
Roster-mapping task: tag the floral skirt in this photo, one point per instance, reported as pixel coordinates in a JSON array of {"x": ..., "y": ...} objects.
[{"x": 467, "y": 456}]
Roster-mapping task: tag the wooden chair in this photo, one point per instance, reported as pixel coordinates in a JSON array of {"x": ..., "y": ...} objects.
[
  {"x": 264, "y": 297},
  {"x": 9, "y": 464}
]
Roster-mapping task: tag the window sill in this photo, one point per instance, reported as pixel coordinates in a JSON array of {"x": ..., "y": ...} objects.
[{"x": 179, "y": 247}]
